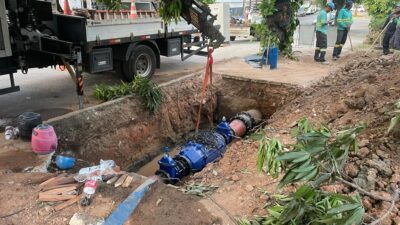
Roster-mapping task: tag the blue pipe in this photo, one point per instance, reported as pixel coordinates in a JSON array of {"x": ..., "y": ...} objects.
[
  {"x": 207, "y": 147},
  {"x": 121, "y": 214}
]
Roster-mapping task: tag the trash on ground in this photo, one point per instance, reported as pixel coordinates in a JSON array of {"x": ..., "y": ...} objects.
[
  {"x": 65, "y": 162},
  {"x": 11, "y": 133},
  {"x": 88, "y": 192},
  {"x": 81, "y": 219},
  {"x": 201, "y": 190},
  {"x": 106, "y": 167}
]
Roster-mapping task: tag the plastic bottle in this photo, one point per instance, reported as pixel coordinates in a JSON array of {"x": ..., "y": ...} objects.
[
  {"x": 9, "y": 134},
  {"x": 88, "y": 192}
]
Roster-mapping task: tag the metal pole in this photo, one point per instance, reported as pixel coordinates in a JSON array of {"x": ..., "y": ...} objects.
[{"x": 243, "y": 10}]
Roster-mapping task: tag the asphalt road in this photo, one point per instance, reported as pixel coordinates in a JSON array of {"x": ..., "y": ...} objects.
[{"x": 52, "y": 92}]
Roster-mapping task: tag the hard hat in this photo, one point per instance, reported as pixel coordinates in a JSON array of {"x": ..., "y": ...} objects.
[
  {"x": 331, "y": 5},
  {"x": 349, "y": 3}
]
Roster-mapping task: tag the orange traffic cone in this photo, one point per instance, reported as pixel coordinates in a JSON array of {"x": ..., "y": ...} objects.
[
  {"x": 67, "y": 9},
  {"x": 133, "y": 10}
]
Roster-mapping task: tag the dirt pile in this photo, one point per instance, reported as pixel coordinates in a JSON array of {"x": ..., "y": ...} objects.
[
  {"x": 166, "y": 205},
  {"x": 363, "y": 90}
]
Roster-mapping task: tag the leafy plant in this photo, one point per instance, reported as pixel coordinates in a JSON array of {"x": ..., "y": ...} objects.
[
  {"x": 268, "y": 150},
  {"x": 149, "y": 92},
  {"x": 273, "y": 13},
  {"x": 310, "y": 206},
  {"x": 170, "y": 10},
  {"x": 396, "y": 119},
  {"x": 315, "y": 158},
  {"x": 378, "y": 10},
  {"x": 107, "y": 93}
]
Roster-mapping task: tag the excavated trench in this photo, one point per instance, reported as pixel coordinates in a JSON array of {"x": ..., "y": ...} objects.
[{"x": 124, "y": 131}]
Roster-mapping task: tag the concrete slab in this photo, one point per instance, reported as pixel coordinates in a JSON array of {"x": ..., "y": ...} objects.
[{"x": 301, "y": 73}]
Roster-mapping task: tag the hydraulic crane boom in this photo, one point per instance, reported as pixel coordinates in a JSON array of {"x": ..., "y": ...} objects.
[{"x": 199, "y": 15}]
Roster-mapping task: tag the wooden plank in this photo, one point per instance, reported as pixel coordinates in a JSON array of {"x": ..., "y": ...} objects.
[
  {"x": 60, "y": 186},
  {"x": 47, "y": 182},
  {"x": 40, "y": 180},
  {"x": 127, "y": 182},
  {"x": 54, "y": 198},
  {"x": 58, "y": 181},
  {"x": 52, "y": 180},
  {"x": 59, "y": 190},
  {"x": 112, "y": 180},
  {"x": 121, "y": 180},
  {"x": 67, "y": 203}
]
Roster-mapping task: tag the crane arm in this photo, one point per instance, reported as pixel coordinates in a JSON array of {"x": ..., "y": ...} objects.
[{"x": 199, "y": 15}]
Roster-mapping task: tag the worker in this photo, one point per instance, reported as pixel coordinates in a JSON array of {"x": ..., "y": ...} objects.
[
  {"x": 390, "y": 25},
  {"x": 344, "y": 21},
  {"x": 322, "y": 33},
  {"x": 396, "y": 37}
]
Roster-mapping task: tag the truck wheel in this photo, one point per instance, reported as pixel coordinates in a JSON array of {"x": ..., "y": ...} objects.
[
  {"x": 142, "y": 62},
  {"x": 232, "y": 38}
]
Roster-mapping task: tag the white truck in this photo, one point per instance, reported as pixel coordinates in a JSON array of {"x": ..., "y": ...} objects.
[
  {"x": 244, "y": 29},
  {"x": 35, "y": 34}
]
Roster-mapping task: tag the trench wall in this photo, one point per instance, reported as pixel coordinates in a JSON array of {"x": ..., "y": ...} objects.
[
  {"x": 124, "y": 131},
  {"x": 239, "y": 94}
]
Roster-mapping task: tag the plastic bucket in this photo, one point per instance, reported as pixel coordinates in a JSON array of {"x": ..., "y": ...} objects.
[
  {"x": 44, "y": 139},
  {"x": 26, "y": 122},
  {"x": 273, "y": 58}
]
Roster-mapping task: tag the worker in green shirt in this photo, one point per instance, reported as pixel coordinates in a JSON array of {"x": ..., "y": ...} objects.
[
  {"x": 396, "y": 36},
  {"x": 322, "y": 32},
  {"x": 344, "y": 21}
]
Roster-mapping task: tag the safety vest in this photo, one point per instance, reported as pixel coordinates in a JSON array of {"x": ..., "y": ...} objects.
[{"x": 345, "y": 18}]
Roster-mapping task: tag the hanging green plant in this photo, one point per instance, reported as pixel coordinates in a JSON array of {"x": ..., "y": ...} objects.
[{"x": 279, "y": 24}]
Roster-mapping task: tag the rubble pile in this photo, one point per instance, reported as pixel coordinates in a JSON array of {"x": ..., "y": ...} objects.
[{"x": 363, "y": 90}]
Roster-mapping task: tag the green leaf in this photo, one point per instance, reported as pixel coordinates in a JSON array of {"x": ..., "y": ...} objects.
[
  {"x": 321, "y": 179},
  {"x": 291, "y": 156},
  {"x": 343, "y": 208},
  {"x": 310, "y": 176},
  {"x": 304, "y": 169},
  {"x": 302, "y": 159},
  {"x": 356, "y": 218}
]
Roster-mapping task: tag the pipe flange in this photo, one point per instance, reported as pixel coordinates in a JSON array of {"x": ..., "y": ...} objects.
[{"x": 246, "y": 118}]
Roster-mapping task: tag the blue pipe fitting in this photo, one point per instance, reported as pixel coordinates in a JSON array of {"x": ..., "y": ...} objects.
[
  {"x": 205, "y": 148},
  {"x": 224, "y": 129}
]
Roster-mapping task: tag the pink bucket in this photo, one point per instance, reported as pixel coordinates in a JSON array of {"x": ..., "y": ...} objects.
[{"x": 44, "y": 139}]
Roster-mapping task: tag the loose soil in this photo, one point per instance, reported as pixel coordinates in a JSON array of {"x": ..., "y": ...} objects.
[
  {"x": 16, "y": 155},
  {"x": 19, "y": 193},
  {"x": 165, "y": 205},
  {"x": 362, "y": 90}
]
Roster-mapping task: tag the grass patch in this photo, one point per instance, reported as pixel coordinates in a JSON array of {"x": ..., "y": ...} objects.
[{"x": 150, "y": 94}]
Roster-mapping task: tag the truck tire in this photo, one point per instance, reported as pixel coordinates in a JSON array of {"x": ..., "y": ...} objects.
[
  {"x": 233, "y": 38},
  {"x": 142, "y": 62}
]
